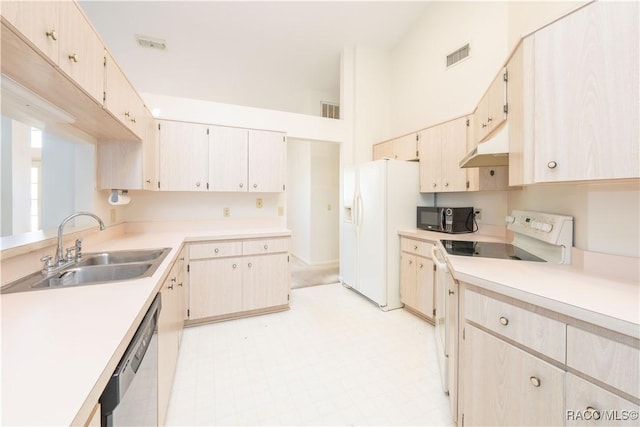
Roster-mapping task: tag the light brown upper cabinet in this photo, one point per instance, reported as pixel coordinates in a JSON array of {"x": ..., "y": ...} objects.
[
  {"x": 81, "y": 54},
  {"x": 441, "y": 147},
  {"x": 267, "y": 161},
  {"x": 184, "y": 156},
  {"x": 122, "y": 100},
  {"x": 38, "y": 22},
  {"x": 586, "y": 95},
  {"x": 573, "y": 98},
  {"x": 491, "y": 110},
  {"x": 402, "y": 148},
  {"x": 228, "y": 159}
]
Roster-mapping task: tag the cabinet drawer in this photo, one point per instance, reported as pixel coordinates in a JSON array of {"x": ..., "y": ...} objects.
[
  {"x": 537, "y": 332},
  {"x": 604, "y": 359},
  {"x": 588, "y": 404},
  {"x": 215, "y": 249},
  {"x": 417, "y": 247},
  {"x": 265, "y": 246}
]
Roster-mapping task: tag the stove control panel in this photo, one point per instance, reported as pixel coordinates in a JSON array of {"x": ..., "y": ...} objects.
[{"x": 550, "y": 228}]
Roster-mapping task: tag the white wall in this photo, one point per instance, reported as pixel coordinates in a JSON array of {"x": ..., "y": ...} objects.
[
  {"x": 299, "y": 197},
  {"x": 423, "y": 91}
]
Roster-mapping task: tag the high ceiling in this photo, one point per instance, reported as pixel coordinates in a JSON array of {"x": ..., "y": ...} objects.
[{"x": 267, "y": 54}]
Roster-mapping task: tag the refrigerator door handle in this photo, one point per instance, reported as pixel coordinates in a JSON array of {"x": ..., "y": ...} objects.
[{"x": 359, "y": 211}]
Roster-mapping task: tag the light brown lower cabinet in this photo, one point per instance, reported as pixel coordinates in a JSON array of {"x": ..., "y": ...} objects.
[
  {"x": 505, "y": 386},
  {"x": 417, "y": 277},
  {"x": 228, "y": 278}
]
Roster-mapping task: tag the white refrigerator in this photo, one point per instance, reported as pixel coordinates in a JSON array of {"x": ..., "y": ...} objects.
[{"x": 378, "y": 198}]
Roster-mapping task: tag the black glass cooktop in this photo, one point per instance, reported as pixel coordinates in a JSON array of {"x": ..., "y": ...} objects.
[{"x": 488, "y": 250}]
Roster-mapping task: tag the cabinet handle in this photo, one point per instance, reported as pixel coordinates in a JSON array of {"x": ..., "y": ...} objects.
[
  {"x": 484, "y": 125},
  {"x": 552, "y": 164},
  {"x": 241, "y": 185},
  {"x": 234, "y": 266},
  {"x": 489, "y": 119},
  {"x": 249, "y": 265},
  {"x": 133, "y": 120},
  {"x": 127, "y": 114},
  {"x": 180, "y": 284},
  {"x": 74, "y": 57},
  {"x": 216, "y": 250},
  {"x": 52, "y": 35},
  {"x": 535, "y": 381},
  {"x": 173, "y": 279},
  {"x": 148, "y": 181},
  {"x": 255, "y": 185},
  {"x": 504, "y": 321},
  {"x": 266, "y": 247},
  {"x": 451, "y": 292},
  {"x": 170, "y": 287}
]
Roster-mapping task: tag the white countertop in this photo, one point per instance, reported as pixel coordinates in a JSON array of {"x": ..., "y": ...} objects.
[
  {"x": 60, "y": 346},
  {"x": 567, "y": 289}
]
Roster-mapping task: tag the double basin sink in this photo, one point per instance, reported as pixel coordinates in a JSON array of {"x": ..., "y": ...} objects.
[{"x": 95, "y": 268}]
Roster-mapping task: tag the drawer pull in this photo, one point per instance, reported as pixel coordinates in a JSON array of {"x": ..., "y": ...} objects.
[
  {"x": 241, "y": 185},
  {"x": 415, "y": 247},
  {"x": 266, "y": 247},
  {"x": 504, "y": 321},
  {"x": 250, "y": 265},
  {"x": 73, "y": 57},
  {"x": 410, "y": 262},
  {"x": 421, "y": 265},
  {"x": 216, "y": 250},
  {"x": 53, "y": 35},
  {"x": 234, "y": 266},
  {"x": 535, "y": 381}
]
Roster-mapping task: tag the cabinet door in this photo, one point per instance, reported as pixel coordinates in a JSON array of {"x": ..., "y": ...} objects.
[
  {"x": 505, "y": 386},
  {"x": 228, "y": 158},
  {"x": 424, "y": 286},
  {"x": 267, "y": 161},
  {"x": 265, "y": 281},
  {"x": 430, "y": 159},
  {"x": 38, "y": 21},
  {"x": 150, "y": 154},
  {"x": 383, "y": 150},
  {"x": 181, "y": 287},
  {"x": 215, "y": 287},
  {"x": 167, "y": 344},
  {"x": 586, "y": 95},
  {"x": 497, "y": 98},
  {"x": 116, "y": 91},
  {"x": 184, "y": 156},
  {"x": 588, "y": 404},
  {"x": 408, "y": 279},
  {"x": 480, "y": 119},
  {"x": 454, "y": 147},
  {"x": 406, "y": 147},
  {"x": 81, "y": 51}
]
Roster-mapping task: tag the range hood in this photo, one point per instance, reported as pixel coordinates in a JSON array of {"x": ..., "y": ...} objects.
[{"x": 493, "y": 152}]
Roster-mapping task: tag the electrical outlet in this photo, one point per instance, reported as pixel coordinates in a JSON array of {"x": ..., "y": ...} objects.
[
  {"x": 280, "y": 210},
  {"x": 113, "y": 216},
  {"x": 258, "y": 203},
  {"x": 329, "y": 207},
  {"x": 478, "y": 213},
  {"x": 226, "y": 212}
]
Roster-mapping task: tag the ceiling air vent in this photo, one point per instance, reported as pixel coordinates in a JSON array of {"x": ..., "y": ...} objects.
[
  {"x": 457, "y": 56},
  {"x": 151, "y": 42},
  {"x": 330, "y": 111}
]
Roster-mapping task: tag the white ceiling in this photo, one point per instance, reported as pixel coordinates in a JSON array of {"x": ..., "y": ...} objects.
[{"x": 268, "y": 54}]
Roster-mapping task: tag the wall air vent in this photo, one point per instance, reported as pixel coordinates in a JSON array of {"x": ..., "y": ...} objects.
[
  {"x": 457, "y": 56},
  {"x": 151, "y": 42},
  {"x": 330, "y": 111}
]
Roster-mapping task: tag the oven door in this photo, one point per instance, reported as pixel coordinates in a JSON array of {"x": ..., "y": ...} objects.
[{"x": 441, "y": 305}]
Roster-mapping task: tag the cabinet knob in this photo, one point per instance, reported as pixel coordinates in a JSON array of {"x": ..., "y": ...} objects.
[
  {"x": 451, "y": 292},
  {"x": 446, "y": 184},
  {"x": 148, "y": 181},
  {"x": 133, "y": 120},
  {"x": 216, "y": 250},
  {"x": 410, "y": 262},
  {"x": 249, "y": 265},
  {"x": 255, "y": 185},
  {"x": 74, "y": 57},
  {"x": 173, "y": 279},
  {"x": 53, "y": 35},
  {"x": 484, "y": 125},
  {"x": 535, "y": 381},
  {"x": 234, "y": 266},
  {"x": 266, "y": 247},
  {"x": 395, "y": 156},
  {"x": 434, "y": 185},
  {"x": 198, "y": 184},
  {"x": 504, "y": 321},
  {"x": 489, "y": 119},
  {"x": 552, "y": 164},
  {"x": 421, "y": 265},
  {"x": 180, "y": 284},
  {"x": 241, "y": 185},
  {"x": 415, "y": 247},
  {"x": 170, "y": 287},
  {"x": 127, "y": 114}
]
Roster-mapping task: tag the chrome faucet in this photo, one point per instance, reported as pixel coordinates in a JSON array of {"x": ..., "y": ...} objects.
[{"x": 60, "y": 258}]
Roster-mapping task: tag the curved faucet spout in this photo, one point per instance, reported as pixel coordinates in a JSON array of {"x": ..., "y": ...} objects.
[{"x": 59, "y": 256}]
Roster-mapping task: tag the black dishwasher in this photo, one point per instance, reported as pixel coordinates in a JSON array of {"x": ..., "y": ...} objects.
[{"x": 131, "y": 396}]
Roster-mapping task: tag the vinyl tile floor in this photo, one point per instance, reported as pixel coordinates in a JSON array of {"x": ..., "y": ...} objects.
[{"x": 334, "y": 358}]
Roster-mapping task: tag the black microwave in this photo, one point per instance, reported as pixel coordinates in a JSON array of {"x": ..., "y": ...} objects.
[{"x": 446, "y": 220}]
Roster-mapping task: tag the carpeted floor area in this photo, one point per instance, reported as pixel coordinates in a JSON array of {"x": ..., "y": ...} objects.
[{"x": 303, "y": 275}]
